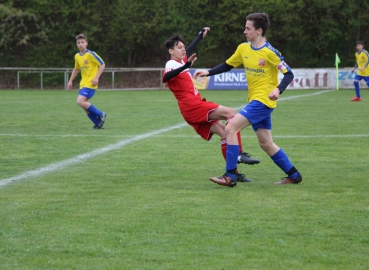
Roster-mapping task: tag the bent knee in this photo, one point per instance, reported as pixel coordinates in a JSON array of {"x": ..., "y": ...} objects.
[
  {"x": 227, "y": 112},
  {"x": 229, "y": 129},
  {"x": 231, "y": 112},
  {"x": 266, "y": 145}
]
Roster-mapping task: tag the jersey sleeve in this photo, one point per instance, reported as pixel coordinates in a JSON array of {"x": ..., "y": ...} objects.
[
  {"x": 236, "y": 59},
  {"x": 169, "y": 66},
  {"x": 172, "y": 65},
  {"x": 277, "y": 60},
  {"x": 283, "y": 67},
  {"x": 96, "y": 58},
  {"x": 173, "y": 68}
]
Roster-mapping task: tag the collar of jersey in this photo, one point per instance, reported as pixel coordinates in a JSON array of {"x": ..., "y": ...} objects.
[
  {"x": 87, "y": 50},
  {"x": 256, "y": 49}
]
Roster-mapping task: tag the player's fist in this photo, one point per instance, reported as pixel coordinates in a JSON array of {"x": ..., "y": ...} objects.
[
  {"x": 206, "y": 30},
  {"x": 200, "y": 73},
  {"x": 192, "y": 59},
  {"x": 274, "y": 94}
]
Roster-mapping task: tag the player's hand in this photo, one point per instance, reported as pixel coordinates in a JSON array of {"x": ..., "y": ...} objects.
[
  {"x": 274, "y": 95},
  {"x": 192, "y": 59},
  {"x": 70, "y": 85},
  {"x": 207, "y": 29},
  {"x": 95, "y": 81},
  {"x": 200, "y": 73},
  {"x": 361, "y": 69}
]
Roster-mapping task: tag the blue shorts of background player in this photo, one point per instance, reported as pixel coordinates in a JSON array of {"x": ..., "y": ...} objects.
[
  {"x": 87, "y": 92},
  {"x": 258, "y": 114}
]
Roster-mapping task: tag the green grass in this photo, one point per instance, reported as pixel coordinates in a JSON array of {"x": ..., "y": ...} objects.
[{"x": 148, "y": 204}]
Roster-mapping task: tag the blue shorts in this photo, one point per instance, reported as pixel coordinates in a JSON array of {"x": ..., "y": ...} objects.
[
  {"x": 258, "y": 114},
  {"x": 359, "y": 78},
  {"x": 87, "y": 92}
]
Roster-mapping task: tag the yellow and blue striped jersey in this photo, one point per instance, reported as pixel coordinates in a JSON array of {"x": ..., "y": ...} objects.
[
  {"x": 88, "y": 63},
  {"x": 261, "y": 67},
  {"x": 362, "y": 60}
]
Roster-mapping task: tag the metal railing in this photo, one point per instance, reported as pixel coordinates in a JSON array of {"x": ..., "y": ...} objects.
[{"x": 68, "y": 71}]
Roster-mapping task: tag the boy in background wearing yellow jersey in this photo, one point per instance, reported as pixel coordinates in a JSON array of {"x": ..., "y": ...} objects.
[
  {"x": 262, "y": 63},
  {"x": 362, "y": 62},
  {"x": 91, "y": 66}
]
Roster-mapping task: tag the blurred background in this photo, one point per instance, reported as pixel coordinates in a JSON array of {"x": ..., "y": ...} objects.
[{"x": 131, "y": 33}]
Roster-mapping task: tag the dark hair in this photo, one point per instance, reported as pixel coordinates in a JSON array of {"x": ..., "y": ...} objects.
[
  {"x": 81, "y": 36},
  {"x": 261, "y": 20},
  {"x": 173, "y": 41},
  {"x": 360, "y": 42}
]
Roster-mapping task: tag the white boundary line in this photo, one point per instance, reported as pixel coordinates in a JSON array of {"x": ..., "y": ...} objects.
[
  {"x": 75, "y": 160},
  {"x": 72, "y": 161},
  {"x": 192, "y": 136}
]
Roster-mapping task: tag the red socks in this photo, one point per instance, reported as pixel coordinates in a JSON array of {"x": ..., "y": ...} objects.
[{"x": 223, "y": 145}]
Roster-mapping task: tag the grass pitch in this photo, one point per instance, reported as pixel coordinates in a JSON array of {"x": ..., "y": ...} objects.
[{"x": 136, "y": 195}]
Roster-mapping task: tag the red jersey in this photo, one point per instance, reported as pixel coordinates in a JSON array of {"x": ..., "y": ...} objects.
[
  {"x": 182, "y": 86},
  {"x": 194, "y": 109}
]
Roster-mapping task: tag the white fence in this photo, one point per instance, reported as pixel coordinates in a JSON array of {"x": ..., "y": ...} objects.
[
  {"x": 322, "y": 78},
  {"x": 67, "y": 71}
]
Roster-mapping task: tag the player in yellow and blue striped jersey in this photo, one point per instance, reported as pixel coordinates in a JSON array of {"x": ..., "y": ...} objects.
[
  {"x": 362, "y": 62},
  {"x": 262, "y": 63},
  {"x": 91, "y": 66}
]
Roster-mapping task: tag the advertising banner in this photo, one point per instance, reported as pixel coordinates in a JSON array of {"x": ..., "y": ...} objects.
[
  {"x": 322, "y": 78},
  {"x": 346, "y": 80},
  {"x": 234, "y": 79}
]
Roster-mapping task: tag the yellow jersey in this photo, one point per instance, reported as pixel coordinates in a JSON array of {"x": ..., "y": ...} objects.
[
  {"x": 88, "y": 63},
  {"x": 261, "y": 67},
  {"x": 362, "y": 60}
]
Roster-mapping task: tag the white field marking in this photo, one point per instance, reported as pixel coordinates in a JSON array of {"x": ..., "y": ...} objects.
[
  {"x": 278, "y": 136},
  {"x": 73, "y": 161},
  {"x": 320, "y": 136},
  {"x": 97, "y": 135},
  {"x": 64, "y": 135},
  {"x": 196, "y": 136}
]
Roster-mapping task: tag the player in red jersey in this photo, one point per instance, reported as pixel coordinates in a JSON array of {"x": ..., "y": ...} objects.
[{"x": 202, "y": 115}]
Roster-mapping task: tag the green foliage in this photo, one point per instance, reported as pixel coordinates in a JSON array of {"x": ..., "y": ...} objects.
[
  {"x": 40, "y": 33},
  {"x": 19, "y": 30}
]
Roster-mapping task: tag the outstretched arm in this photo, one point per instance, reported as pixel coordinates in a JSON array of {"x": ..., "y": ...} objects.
[
  {"x": 171, "y": 74},
  {"x": 224, "y": 67},
  {"x": 194, "y": 43}
]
